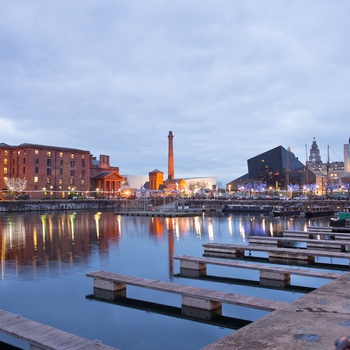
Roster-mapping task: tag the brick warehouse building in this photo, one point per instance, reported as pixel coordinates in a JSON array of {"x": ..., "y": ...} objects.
[{"x": 57, "y": 171}]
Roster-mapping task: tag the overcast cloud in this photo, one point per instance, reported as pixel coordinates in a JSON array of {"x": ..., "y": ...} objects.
[{"x": 231, "y": 79}]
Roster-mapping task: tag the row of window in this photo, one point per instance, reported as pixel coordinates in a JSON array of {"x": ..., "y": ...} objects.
[
  {"x": 48, "y": 153},
  {"x": 60, "y": 181},
  {"x": 48, "y": 171},
  {"x": 48, "y": 162}
]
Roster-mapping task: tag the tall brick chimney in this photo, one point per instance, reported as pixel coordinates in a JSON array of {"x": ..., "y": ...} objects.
[{"x": 170, "y": 157}]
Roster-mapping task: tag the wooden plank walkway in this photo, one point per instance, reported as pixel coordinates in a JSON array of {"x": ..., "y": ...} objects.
[
  {"x": 44, "y": 337},
  {"x": 329, "y": 229},
  {"x": 188, "y": 292},
  {"x": 314, "y": 234},
  {"x": 259, "y": 267},
  {"x": 340, "y": 245},
  {"x": 238, "y": 250}
]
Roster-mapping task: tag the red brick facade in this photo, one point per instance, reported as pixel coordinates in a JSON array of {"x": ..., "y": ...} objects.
[{"x": 50, "y": 171}]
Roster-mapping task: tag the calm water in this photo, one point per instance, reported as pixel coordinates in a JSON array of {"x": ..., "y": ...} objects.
[{"x": 45, "y": 257}]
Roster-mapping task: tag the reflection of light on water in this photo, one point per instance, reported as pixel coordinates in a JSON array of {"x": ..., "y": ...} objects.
[
  {"x": 229, "y": 220},
  {"x": 241, "y": 229},
  {"x": 35, "y": 240},
  {"x": 177, "y": 229},
  {"x": 43, "y": 224},
  {"x": 210, "y": 231},
  {"x": 271, "y": 229},
  {"x": 72, "y": 218},
  {"x": 197, "y": 226},
  {"x": 263, "y": 225},
  {"x": 119, "y": 225},
  {"x": 3, "y": 249},
  {"x": 97, "y": 218}
]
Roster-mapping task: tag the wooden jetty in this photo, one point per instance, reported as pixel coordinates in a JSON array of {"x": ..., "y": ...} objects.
[
  {"x": 317, "y": 234},
  {"x": 161, "y": 214},
  {"x": 339, "y": 245},
  {"x": 269, "y": 275},
  {"x": 43, "y": 337},
  {"x": 274, "y": 253},
  {"x": 195, "y": 302},
  {"x": 332, "y": 229}
]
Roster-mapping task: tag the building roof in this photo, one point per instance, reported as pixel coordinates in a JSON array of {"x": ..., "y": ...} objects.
[{"x": 33, "y": 145}]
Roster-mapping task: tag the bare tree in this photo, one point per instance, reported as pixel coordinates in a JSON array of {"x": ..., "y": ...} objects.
[
  {"x": 192, "y": 185},
  {"x": 16, "y": 184},
  {"x": 202, "y": 184}
]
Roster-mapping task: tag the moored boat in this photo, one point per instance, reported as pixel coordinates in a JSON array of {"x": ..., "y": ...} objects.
[
  {"x": 247, "y": 209},
  {"x": 341, "y": 219},
  {"x": 318, "y": 211},
  {"x": 286, "y": 211}
]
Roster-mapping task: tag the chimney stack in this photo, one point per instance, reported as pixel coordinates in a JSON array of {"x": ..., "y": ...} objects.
[{"x": 170, "y": 157}]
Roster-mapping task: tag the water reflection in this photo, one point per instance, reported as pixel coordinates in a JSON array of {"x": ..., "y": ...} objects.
[
  {"x": 38, "y": 239},
  {"x": 45, "y": 258}
]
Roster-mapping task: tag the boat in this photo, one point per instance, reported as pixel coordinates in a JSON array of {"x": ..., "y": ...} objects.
[
  {"x": 286, "y": 211},
  {"x": 318, "y": 211},
  {"x": 247, "y": 209},
  {"x": 342, "y": 218}
]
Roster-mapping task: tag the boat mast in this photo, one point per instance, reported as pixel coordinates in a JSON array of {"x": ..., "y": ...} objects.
[
  {"x": 328, "y": 163},
  {"x": 306, "y": 166}
]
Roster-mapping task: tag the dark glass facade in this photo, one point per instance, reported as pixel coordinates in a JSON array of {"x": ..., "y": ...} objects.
[{"x": 278, "y": 167}]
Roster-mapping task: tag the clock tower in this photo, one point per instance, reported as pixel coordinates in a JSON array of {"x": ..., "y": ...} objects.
[{"x": 315, "y": 161}]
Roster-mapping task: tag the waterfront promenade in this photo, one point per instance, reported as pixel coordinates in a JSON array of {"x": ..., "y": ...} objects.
[{"x": 313, "y": 322}]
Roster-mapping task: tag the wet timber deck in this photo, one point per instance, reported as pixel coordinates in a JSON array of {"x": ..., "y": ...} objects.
[
  {"x": 41, "y": 336},
  {"x": 238, "y": 250},
  {"x": 341, "y": 245},
  {"x": 189, "y": 291},
  {"x": 260, "y": 267}
]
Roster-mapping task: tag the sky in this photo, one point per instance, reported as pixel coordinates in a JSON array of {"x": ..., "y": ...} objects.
[{"x": 230, "y": 78}]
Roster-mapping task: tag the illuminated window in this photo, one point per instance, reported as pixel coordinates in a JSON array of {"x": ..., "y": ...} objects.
[
  {"x": 36, "y": 179},
  {"x": 5, "y": 170},
  {"x": 18, "y": 153},
  {"x": 49, "y": 153},
  {"x": 60, "y": 181},
  {"x": 48, "y": 180},
  {"x": 5, "y": 161},
  {"x": 71, "y": 181},
  {"x": 61, "y": 154},
  {"x": 36, "y": 151},
  {"x": 72, "y": 155},
  {"x": 6, "y": 153},
  {"x": 83, "y": 182}
]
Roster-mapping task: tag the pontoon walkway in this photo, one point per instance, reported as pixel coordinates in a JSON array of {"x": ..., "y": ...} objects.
[
  {"x": 192, "y": 298},
  {"x": 269, "y": 275},
  {"x": 274, "y": 253},
  {"x": 43, "y": 337}
]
